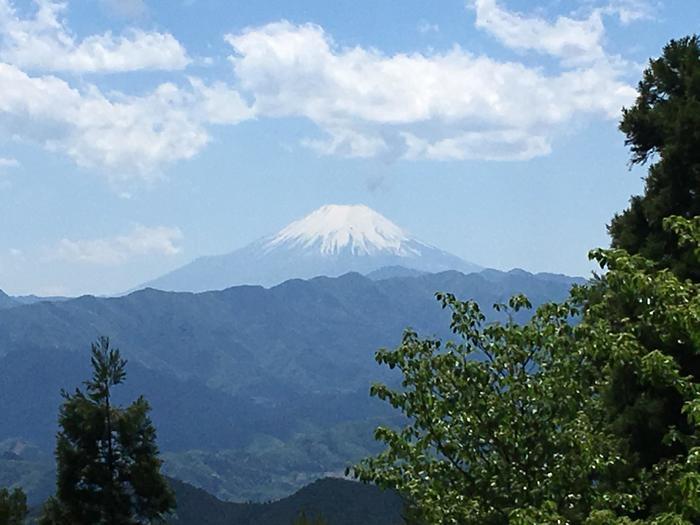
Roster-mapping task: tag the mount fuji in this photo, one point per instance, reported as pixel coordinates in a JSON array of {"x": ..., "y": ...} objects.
[{"x": 331, "y": 241}]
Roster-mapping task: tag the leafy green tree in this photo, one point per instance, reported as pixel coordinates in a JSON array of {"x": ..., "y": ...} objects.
[
  {"x": 513, "y": 424},
  {"x": 13, "y": 507},
  {"x": 107, "y": 457},
  {"x": 665, "y": 123},
  {"x": 500, "y": 422}
]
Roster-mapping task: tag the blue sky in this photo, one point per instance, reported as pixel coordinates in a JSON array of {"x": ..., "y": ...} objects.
[{"x": 136, "y": 135}]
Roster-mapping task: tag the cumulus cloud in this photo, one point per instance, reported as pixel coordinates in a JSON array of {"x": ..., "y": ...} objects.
[
  {"x": 141, "y": 240},
  {"x": 124, "y": 136},
  {"x": 452, "y": 104},
  {"x": 45, "y": 43}
]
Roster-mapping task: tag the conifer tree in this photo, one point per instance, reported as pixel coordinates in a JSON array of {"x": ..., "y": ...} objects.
[
  {"x": 108, "y": 470},
  {"x": 664, "y": 126}
]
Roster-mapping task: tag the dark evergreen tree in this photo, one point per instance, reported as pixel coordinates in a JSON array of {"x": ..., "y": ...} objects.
[
  {"x": 664, "y": 125},
  {"x": 107, "y": 457},
  {"x": 13, "y": 507}
]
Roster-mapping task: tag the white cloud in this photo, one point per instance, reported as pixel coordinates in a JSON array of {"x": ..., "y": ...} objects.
[
  {"x": 8, "y": 163},
  {"x": 219, "y": 104},
  {"x": 629, "y": 11},
  {"x": 576, "y": 41},
  {"x": 45, "y": 43},
  {"x": 438, "y": 105},
  {"x": 442, "y": 105},
  {"x": 140, "y": 241},
  {"x": 347, "y": 143},
  {"x": 124, "y": 136},
  {"x": 492, "y": 145}
]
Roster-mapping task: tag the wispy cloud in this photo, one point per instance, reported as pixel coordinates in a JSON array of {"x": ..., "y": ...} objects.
[
  {"x": 6, "y": 163},
  {"x": 140, "y": 241},
  {"x": 575, "y": 41},
  {"x": 425, "y": 27},
  {"x": 629, "y": 11}
]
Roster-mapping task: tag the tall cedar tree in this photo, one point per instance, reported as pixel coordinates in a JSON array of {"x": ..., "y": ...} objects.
[
  {"x": 107, "y": 458},
  {"x": 13, "y": 507},
  {"x": 664, "y": 124}
]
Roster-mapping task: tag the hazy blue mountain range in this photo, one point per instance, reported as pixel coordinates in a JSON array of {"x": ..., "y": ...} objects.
[
  {"x": 331, "y": 241},
  {"x": 255, "y": 391}
]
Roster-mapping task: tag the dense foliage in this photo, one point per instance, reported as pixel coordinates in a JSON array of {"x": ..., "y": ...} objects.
[
  {"x": 665, "y": 123},
  {"x": 514, "y": 423},
  {"x": 13, "y": 507},
  {"x": 107, "y": 458},
  {"x": 499, "y": 420}
]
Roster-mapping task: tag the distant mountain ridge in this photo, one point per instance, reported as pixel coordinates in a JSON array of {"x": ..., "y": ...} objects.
[
  {"x": 10, "y": 301},
  {"x": 336, "y": 501},
  {"x": 331, "y": 241},
  {"x": 255, "y": 391}
]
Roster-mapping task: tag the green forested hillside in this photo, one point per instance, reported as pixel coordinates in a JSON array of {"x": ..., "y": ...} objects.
[{"x": 338, "y": 501}]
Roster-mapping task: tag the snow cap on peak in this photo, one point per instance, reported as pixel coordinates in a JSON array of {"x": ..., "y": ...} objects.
[{"x": 333, "y": 227}]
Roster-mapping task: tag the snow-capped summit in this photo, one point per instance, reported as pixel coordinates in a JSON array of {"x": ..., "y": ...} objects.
[
  {"x": 333, "y": 240},
  {"x": 334, "y": 228}
]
